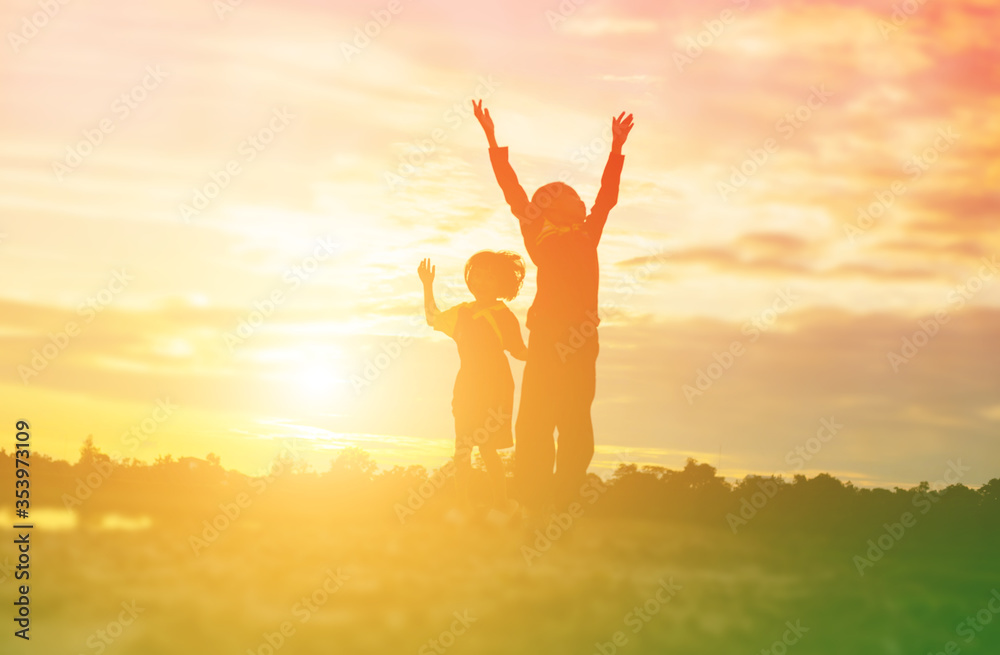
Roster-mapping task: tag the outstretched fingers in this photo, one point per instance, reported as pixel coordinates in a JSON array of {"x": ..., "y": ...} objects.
[
  {"x": 477, "y": 109},
  {"x": 622, "y": 125}
]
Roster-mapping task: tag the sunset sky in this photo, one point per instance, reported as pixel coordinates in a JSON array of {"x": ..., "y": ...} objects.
[{"x": 344, "y": 161}]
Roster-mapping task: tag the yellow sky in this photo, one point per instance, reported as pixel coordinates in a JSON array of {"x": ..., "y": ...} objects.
[{"x": 173, "y": 171}]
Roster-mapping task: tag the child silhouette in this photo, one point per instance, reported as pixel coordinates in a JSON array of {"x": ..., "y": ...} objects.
[
  {"x": 560, "y": 373},
  {"x": 483, "y": 400}
]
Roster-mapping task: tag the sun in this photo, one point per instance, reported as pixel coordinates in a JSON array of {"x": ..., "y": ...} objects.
[{"x": 316, "y": 380}]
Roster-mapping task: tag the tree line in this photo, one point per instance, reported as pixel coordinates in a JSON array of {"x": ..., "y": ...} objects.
[{"x": 186, "y": 490}]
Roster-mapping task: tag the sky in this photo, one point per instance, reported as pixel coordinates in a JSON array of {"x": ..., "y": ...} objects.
[{"x": 211, "y": 214}]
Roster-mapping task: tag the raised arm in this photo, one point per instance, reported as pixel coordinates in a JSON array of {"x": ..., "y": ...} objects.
[
  {"x": 426, "y": 273},
  {"x": 607, "y": 197},
  {"x": 513, "y": 192},
  {"x": 483, "y": 116}
]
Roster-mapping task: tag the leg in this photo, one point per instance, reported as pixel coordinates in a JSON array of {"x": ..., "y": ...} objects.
[
  {"x": 576, "y": 430},
  {"x": 535, "y": 446},
  {"x": 463, "y": 468},
  {"x": 497, "y": 475}
]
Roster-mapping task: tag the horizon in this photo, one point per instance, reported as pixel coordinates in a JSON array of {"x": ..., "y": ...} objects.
[{"x": 606, "y": 462}]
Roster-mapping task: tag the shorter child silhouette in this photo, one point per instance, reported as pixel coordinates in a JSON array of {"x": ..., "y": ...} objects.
[{"x": 483, "y": 400}]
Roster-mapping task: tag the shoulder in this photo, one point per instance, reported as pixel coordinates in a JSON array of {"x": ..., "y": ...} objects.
[
  {"x": 447, "y": 321},
  {"x": 507, "y": 316},
  {"x": 461, "y": 307},
  {"x": 464, "y": 311}
]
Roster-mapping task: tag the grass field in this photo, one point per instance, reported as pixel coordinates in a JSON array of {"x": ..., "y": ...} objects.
[{"x": 377, "y": 587}]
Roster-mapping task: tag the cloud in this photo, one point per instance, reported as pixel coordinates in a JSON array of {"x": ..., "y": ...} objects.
[
  {"x": 967, "y": 214},
  {"x": 608, "y": 25},
  {"x": 899, "y": 426},
  {"x": 958, "y": 250},
  {"x": 876, "y": 272}
]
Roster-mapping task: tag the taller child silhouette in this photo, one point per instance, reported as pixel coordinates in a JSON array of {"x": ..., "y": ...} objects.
[{"x": 560, "y": 372}]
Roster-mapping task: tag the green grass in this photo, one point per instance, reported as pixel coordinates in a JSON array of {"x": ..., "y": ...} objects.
[{"x": 405, "y": 583}]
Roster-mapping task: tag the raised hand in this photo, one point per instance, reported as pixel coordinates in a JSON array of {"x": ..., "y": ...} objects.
[
  {"x": 620, "y": 127},
  {"x": 426, "y": 272},
  {"x": 483, "y": 116}
]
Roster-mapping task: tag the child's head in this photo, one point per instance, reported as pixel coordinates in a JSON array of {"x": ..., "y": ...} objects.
[
  {"x": 559, "y": 204},
  {"x": 490, "y": 275}
]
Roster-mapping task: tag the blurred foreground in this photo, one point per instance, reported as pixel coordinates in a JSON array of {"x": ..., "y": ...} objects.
[{"x": 313, "y": 564}]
